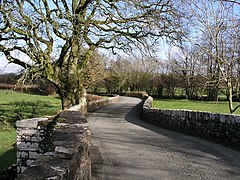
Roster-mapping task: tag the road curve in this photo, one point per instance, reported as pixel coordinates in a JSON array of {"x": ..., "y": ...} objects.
[{"x": 126, "y": 148}]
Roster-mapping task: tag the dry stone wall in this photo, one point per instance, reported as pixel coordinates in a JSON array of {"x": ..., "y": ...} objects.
[
  {"x": 34, "y": 137},
  {"x": 57, "y": 147},
  {"x": 94, "y": 105},
  {"x": 91, "y": 106},
  {"x": 221, "y": 128},
  {"x": 69, "y": 158}
]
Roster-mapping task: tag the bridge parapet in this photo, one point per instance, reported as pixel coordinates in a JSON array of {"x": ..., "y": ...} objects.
[
  {"x": 220, "y": 128},
  {"x": 57, "y": 147}
]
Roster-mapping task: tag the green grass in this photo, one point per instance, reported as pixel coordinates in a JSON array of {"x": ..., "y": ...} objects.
[
  {"x": 208, "y": 106},
  {"x": 15, "y": 106}
]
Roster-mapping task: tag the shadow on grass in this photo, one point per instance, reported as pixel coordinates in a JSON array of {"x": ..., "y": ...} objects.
[
  {"x": 25, "y": 109},
  {"x": 8, "y": 169},
  {"x": 8, "y": 158}
]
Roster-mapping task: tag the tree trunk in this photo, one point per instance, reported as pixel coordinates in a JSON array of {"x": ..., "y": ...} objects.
[
  {"x": 230, "y": 96},
  {"x": 212, "y": 93},
  {"x": 70, "y": 93},
  {"x": 71, "y": 99}
]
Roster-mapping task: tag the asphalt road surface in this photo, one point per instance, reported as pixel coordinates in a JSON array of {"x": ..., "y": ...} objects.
[{"x": 125, "y": 147}]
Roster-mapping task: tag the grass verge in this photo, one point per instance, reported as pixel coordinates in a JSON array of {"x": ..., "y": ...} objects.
[{"x": 208, "y": 106}]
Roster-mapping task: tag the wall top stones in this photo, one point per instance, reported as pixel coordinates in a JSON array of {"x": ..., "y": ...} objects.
[
  {"x": 148, "y": 103},
  {"x": 85, "y": 107},
  {"x": 32, "y": 123},
  {"x": 222, "y": 117}
]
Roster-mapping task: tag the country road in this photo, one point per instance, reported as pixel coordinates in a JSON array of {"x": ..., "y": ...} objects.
[{"x": 127, "y": 148}]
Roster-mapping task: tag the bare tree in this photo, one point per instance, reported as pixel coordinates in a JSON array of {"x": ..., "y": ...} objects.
[
  {"x": 54, "y": 39},
  {"x": 94, "y": 73},
  {"x": 231, "y": 1},
  {"x": 185, "y": 65},
  {"x": 217, "y": 24}
]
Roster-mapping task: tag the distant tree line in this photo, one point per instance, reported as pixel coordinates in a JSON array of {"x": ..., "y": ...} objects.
[{"x": 12, "y": 81}]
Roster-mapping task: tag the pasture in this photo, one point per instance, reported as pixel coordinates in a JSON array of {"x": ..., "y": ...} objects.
[
  {"x": 15, "y": 106},
  {"x": 208, "y": 106}
]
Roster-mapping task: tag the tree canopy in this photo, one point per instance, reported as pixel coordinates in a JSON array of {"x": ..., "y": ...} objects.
[{"x": 55, "y": 39}]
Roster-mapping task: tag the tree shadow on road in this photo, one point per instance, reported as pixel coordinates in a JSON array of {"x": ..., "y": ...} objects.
[{"x": 190, "y": 145}]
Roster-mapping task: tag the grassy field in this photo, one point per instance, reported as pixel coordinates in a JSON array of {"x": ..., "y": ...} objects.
[
  {"x": 15, "y": 106},
  {"x": 209, "y": 106}
]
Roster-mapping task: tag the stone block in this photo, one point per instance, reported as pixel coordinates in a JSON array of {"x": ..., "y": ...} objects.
[
  {"x": 182, "y": 114},
  {"x": 18, "y": 169},
  {"x": 64, "y": 153},
  {"x": 36, "y": 139},
  {"x": 29, "y": 162},
  {"x": 59, "y": 169},
  {"x": 33, "y": 155},
  {"x": 29, "y": 123},
  {"x": 52, "y": 178},
  {"x": 211, "y": 115},
  {"x": 27, "y": 132},
  {"x": 237, "y": 118},
  {"x": 27, "y": 146},
  {"x": 20, "y": 138},
  {"x": 19, "y": 154},
  {"x": 24, "y": 154},
  {"x": 22, "y": 169},
  {"x": 52, "y": 154},
  {"x": 27, "y": 138},
  {"x": 230, "y": 119},
  {"x": 217, "y": 116},
  {"x": 41, "y": 131},
  {"x": 59, "y": 143},
  {"x": 222, "y": 118},
  {"x": 205, "y": 116}
]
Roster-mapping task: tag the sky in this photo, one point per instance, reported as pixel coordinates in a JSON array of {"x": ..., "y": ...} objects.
[{"x": 5, "y": 67}]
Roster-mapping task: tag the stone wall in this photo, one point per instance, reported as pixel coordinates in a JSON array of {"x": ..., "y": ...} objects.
[
  {"x": 91, "y": 106},
  {"x": 137, "y": 94},
  {"x": 34, "y": 137},
  {"x": 57, "y": 147},
  {"x": 221, "y": 128},
  {"x": 97, "y": 104},
  {"x": 69, "y": 158}
]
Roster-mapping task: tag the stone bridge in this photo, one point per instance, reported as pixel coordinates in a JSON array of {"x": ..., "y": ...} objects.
[
  {"x": 122, "y": 147},
  {"x": 125, "y": 147}
]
